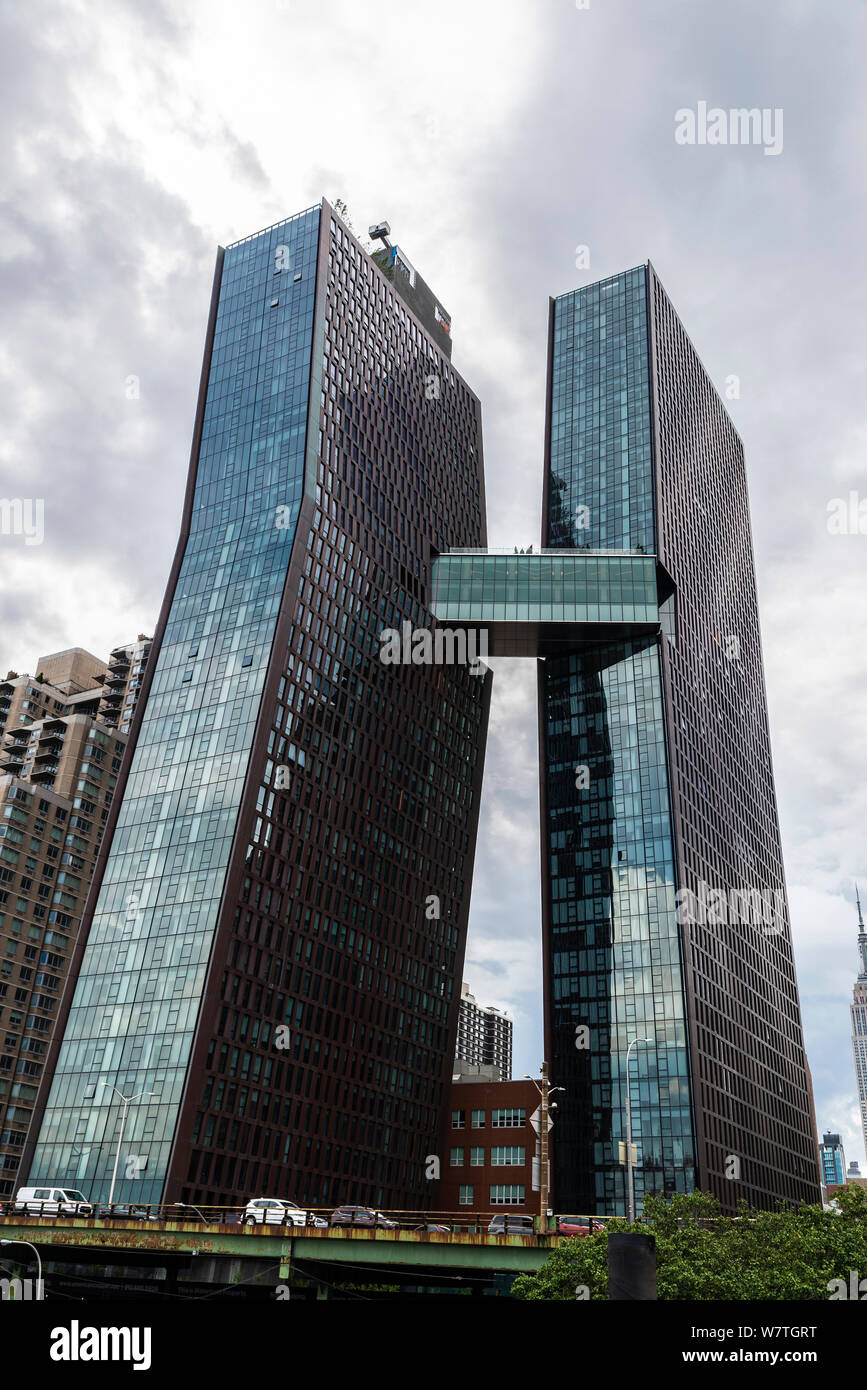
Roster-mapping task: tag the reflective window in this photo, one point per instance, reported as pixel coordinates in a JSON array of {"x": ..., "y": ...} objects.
[{"x": 143, "y": 973}]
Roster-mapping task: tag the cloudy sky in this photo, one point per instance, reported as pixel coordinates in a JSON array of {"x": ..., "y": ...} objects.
[{"x": 496, "y": 138}]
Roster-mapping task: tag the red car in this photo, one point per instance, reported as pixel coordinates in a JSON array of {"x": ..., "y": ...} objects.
[{"x": 577, "y": 1225}]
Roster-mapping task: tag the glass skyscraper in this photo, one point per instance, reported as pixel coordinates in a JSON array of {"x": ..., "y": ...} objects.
[
  {"x": 277, "y": 925},
  {"x": 833, "y": 1160},
  {"x": 664, "y": 910}
]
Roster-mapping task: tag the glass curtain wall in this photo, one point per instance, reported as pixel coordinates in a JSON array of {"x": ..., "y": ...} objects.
[
  {"x": 138, "y": 993},
  {"x": 612, "y": 938}
]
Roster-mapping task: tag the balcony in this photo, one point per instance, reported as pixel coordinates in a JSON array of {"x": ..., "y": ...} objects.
[
  {"x": 44, "y": 772},
  {"x": 49, "y": 748}
]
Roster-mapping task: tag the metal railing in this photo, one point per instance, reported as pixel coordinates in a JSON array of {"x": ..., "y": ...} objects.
[
  {"x": 444, "y": 1223},
  {"x": 557, "y": 551}
]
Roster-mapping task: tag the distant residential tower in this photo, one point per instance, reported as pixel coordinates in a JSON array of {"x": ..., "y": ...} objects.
[
  {"x": 484, "y": 1036},
  {"x": 833, "y": 1159}
]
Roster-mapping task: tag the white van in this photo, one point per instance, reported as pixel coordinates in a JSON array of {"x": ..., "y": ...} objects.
[{"x": 52, "y": 1201}]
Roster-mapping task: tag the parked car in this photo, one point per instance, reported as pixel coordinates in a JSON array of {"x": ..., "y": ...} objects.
[
  {"x": 507, "y": 1223},
  {"x": 124, "y": 1211},
  {"x": 274, "y": 1211},
  {"x": 52, "y": 1201},
  {"x": 577, "y": 1225},
  {"x": 433, "y": 1227},
  {"x": 362, "y": 1216}
]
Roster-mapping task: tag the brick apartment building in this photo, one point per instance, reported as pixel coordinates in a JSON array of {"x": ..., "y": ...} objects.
[
  {"x": 60, "y": 753},
  {"x": 488, "y": 1145}
]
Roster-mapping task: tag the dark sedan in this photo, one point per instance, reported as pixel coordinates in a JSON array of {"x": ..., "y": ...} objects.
[
  {"x": 124, "y": 1211},
  {"x": 361, "y": 1216}
]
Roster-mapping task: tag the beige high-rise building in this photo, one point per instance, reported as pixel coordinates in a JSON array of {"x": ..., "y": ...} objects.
[
  {"x": 71, "y": 670},
  {"x": 62, "y": 738},
  {"x": 126, "y": 668}
]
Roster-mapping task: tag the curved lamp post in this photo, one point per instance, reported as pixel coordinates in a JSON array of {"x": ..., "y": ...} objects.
[
  {"x": 127, "y": 1101},
  {"x": 630, "y": 1193}
]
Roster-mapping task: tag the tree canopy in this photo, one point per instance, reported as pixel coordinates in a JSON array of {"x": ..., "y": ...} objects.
[{"x": 789, "y": 1254}]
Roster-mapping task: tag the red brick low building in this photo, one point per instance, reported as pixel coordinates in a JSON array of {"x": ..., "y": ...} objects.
[{"x": 487, "y": 1148}]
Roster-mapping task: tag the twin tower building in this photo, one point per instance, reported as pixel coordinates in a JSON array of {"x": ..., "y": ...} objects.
[{"x": 271, "y": 956}]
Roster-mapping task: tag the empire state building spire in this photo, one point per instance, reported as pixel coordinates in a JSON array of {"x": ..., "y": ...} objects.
[
  {"x": 862, "y": 938},
  {"x": 858, "y": 1010}
]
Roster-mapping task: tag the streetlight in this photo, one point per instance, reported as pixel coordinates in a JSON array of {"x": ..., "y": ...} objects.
[
  {"x": 630, "y": 1191},
  {"x": 40, "y": 1291},
  {"x": 545, "y": 1091},
  {"x": 187, "y": 1206},
  {"x": 127, "y": 1101}
]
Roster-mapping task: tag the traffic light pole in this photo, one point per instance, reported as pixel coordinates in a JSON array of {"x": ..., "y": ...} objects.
[{"x": 546, "y": 1091}]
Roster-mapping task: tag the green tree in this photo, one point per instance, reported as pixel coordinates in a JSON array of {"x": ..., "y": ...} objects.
[{"x": 790, "y": 1254}]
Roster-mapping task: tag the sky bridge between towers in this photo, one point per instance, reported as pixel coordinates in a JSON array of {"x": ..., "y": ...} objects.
[{"x": 544, "y": 602}]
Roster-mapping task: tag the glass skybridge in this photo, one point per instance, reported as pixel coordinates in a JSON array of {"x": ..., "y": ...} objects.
[{"x": 542, "y": 602}]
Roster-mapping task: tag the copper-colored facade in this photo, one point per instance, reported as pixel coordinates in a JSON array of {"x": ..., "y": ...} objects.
[{"x": 321, "y": 1055}]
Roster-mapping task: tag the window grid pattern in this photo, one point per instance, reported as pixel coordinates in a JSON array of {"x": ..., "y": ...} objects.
[
  {"x": 507, "y": 1195},
  {"x": 858, "y": 1010},
  {"x": 611, "y": 931},
  {"x": 751, "y": 1086},
  {"x": 137, "y": 996},
  {"x": 601, "y": 478},
  {"x": 572, "y": 588},
  {"x": 332, "y": 933},
  {"x": 614, "y": 941},
  {"x": 508, "y": 1156}
]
